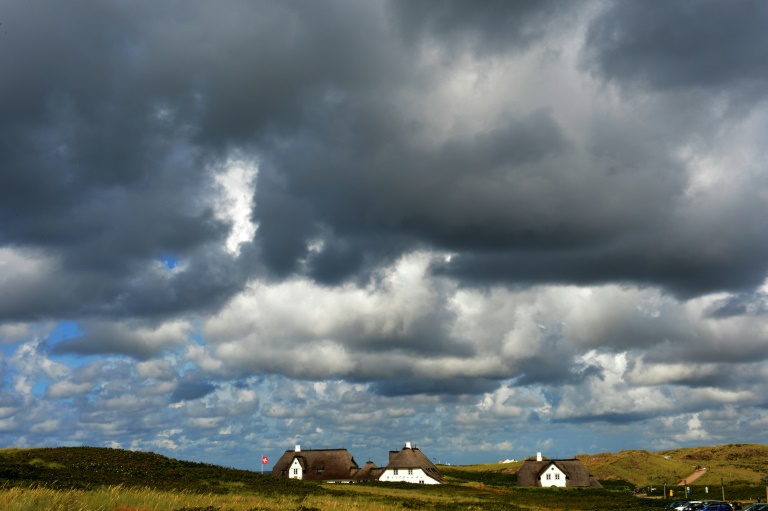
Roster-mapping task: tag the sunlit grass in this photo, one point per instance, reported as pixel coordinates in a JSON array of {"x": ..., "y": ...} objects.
[{"x": 342, "y": 498}]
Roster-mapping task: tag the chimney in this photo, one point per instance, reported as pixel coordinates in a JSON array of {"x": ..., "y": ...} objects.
[
  {"x": 538, "y": 456},
  {"x": 298, "y": 448},
  {"x": 408, "y": 445}
]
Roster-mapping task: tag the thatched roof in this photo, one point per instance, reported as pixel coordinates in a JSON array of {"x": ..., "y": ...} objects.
[
  {"x": 409, "y": 457},
  {"x": 318, "y": 464},
  {"x": 576, "y": 474},
  {"x": 369, "y": 472}
]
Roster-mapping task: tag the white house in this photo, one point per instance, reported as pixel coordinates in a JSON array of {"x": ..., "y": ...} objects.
[
  {"x": 410, "y": 465},
  {"x": 558, "y": 473},
  {"x": 330, "y": 465},
  {"x": 552, "y": 476}
]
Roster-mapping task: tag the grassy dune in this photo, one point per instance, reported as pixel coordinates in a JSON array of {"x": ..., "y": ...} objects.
[
  {"x": 736, "y": 464},
  {"x": 638, "y": 467}
]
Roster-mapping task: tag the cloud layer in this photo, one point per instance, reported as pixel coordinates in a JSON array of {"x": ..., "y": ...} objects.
[{"x": 346, "y": 223}]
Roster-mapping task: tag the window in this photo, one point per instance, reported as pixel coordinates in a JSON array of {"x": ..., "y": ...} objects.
[
  {"x": 549, "y": 476},
  {"x": 557, "y": 476},
  {"x": 395, "y": 471},
  {"x": 295, "y": 471},
  {"x": 410, "y": 471}
]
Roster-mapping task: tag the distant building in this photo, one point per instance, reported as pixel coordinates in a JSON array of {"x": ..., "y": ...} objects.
[
  {"x": 369, "y": 472},
  {"x": 559, "y": 473},
  {"x": 330, "y": 465},
  {"x": 410, "y": 465}
]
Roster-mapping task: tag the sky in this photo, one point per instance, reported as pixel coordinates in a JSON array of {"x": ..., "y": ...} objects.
[{"x": 487, "y": 228}]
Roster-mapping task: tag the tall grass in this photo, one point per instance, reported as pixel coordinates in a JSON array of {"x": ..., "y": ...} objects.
[{"x": 117, "y": 498}]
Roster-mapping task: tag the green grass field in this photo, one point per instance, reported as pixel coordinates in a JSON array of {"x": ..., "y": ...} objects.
[{"x": 85, "y": 479}]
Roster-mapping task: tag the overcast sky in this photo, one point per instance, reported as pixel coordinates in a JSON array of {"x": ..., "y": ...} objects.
[{"x": 487, "y": 228}]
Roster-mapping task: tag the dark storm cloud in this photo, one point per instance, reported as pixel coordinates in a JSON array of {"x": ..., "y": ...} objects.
[
  {"x": 134, "y": 339},
  {"x": 364, "y": 174},
  {"x": 107, "y": 155},
  {"x": 486, "y": 27},
  {"x": 189, "y": 391},
  {"x": 105, "y": 113},
  {"x": 454, "y": 386},
  {"x": 610, "y": 418},
  {"x": 94, "y": 169},
  {"x": 710, "y": 45},
  {"x": 518, "y": 202},
  {"x": 683, "y": 271},
  {"x": 555, "y": 368},
  {"x": 743, "y": 304}
]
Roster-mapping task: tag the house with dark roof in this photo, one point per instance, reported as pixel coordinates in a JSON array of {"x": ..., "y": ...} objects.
[
  {"x": 330, "y": 465},
  {"x": 551, "y": 472},
  {"x": 369, "y": 472},
  {"x": 410, "y": 465}
]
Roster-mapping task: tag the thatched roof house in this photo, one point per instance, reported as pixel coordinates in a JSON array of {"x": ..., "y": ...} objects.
[
  {"x": 330, "y": 465},
  {"x": 369, "y": 472},
  {"x": 410, "y": 465},
  {"x": 562, "y": 473}
]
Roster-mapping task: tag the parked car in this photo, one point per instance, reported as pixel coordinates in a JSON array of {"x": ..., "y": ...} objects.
[
  {"x": 757, "y": 506},
  {"x": 677, "y": 503},
  {"x": 684, "y": 505},
  {"x": 717, "y": 506},
  {"x": 694, "y": 506}
]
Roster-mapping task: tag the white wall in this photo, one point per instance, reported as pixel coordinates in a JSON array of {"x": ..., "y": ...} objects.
[
  {"x": 406, "y": 475},
  {"x": 295, "y": 471},
  {"x": 553, "y": 476}
]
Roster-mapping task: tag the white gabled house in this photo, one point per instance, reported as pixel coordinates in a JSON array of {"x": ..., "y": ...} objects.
[
  {"x": 296, "y": 470},
  {"x": 548, "y": 473},
  {"x": 329, "y": 465},
  {"x": 410, "y": 465},
  {"x": 552, "y": 476}
]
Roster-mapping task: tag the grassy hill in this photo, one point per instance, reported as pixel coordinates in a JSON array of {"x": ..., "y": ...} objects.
[
  {"x": 736, "y": 464},
  {"x": 638, "y": 467},
  {"x": 88, "y": 467}
]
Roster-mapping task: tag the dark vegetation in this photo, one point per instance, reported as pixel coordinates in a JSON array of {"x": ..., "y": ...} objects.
[
  {"x": 69, "y": 468},
  {"x": 500, "y": 479}
]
